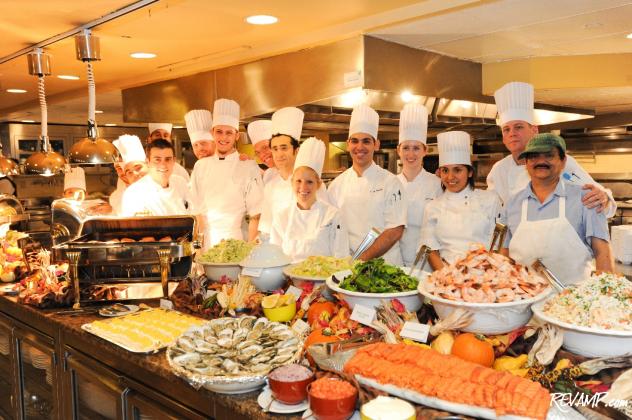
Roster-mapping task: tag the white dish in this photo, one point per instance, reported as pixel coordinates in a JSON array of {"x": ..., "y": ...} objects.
[
  {"x": 278, "y": 407},
  {"x": 215, "y": 271},
  {"x": 410, "y": 300},
  {"x": 308, "y": 415},
  {"x": 288, "y": 272},
  {"x": 488, "y": 318},
  {"x": 237, "y": 387},
  {"x": 130, "y": 310},
  {"x": 589, "y": 342}
]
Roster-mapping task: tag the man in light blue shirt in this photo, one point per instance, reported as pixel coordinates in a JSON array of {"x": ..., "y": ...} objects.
[{"x": 547, "y": 219}]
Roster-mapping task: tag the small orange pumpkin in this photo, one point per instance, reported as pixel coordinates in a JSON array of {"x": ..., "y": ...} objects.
[
  {"x": 321, "y": 335},
  {"x": 473, "y": 348},
  {"x": 320, "y": 311}
]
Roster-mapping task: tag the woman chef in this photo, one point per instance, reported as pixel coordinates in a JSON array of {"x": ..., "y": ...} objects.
[
  {"x": 309, "y": 226},
  {"x": 420, "y": 186},
  {"x": 461, "y": 215}
]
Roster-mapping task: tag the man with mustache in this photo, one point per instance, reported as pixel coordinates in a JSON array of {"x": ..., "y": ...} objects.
[
  {"x": 547, "y": 219},
  {"x": 517, "y": 123}
]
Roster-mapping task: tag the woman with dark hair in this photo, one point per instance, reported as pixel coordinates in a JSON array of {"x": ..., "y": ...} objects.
[{"x": 462, "y": 215}]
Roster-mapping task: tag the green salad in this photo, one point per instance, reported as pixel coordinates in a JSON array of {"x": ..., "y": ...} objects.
[
  {"x": 375, "y": 276},
  {"x": 227, "y": 251},
  {"x": 321, "y": 266}
]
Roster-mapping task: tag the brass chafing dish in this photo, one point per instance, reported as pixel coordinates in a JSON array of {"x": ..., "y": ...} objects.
[{"x": 107, "y": 269}]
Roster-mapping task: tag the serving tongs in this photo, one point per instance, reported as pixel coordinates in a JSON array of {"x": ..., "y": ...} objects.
[
  {"x": 366, "y": 243},
  {"x": 420, "y": 259},
  {"x": 539, "y": 267},
  {"x": 350, "y": 343},
  {"x": 498, "y": 237}
]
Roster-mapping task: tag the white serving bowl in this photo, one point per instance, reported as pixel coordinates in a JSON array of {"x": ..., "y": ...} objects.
[
  {"x": 265, "y": 264},
  {"x": 488, "y": 318},
  {"x": 410, "y": 300},
  {"x": 589, "y": 342},
  {"x": 215, "y": 271}
]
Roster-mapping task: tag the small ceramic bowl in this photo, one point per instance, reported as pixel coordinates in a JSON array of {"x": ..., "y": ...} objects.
[
  {"x": 281, "y": 314},
  {"x": 290, "y": 391},
  {"x": 332, "y": 408}
]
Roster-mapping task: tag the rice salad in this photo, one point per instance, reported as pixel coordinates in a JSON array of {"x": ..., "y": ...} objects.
[
  {"x": 226, "y": 251},
  {"x": 603, "y": 301}
]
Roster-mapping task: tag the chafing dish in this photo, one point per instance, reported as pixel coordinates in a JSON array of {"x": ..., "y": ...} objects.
[
  {"x": 99, "y": 261},
  {"x": 11, "y": 211}
]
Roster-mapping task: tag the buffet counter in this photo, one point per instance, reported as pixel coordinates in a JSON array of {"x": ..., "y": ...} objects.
[{"x": 136, "y": 382}]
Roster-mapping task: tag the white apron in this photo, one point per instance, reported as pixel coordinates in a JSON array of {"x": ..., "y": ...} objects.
[
  {"x": 225, "y": 203},
  {"x": 362, "y": 211},
  {"x": 461, "y": 225},
  {"x": 555, "y": 242},
  {"x": 303, "y": 235}
]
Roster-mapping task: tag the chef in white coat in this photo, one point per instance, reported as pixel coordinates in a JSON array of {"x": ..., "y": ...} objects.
[
  {"x": 516, "y": 119},
  {"x": 287, "y": 124},
  {"x": 547, "y": 220},
  {"x": 224, "y": 187},
  {"x": 309, "y": 226},
  {"x": 369, "y": 196},
  {"x": 462, "y": 215},
  {"x": 260, "y": 132},
  {"x": 420, "y": 186},
  {"x": 163, "y": 131},
  {"x": 199, "y": 123},
  {"x": 160, "y": 192},
  {"x": 75, "y": 194},
  {"x": 133, "y": 166}
]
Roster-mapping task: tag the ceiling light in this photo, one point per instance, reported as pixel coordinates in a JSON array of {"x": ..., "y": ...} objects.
[
  {"x": 407, "y": 96},
  {"x": 28, "y": 121},
  {"x": 142, "y": 55},
  {"x": 178, "y": 126},
  {"x": 629, "y": 36},
  {"x": 98, "y": 111},
  {"x": 110, "y": 125},
  {"x": 465, "y": 104},
  {"x": 16, "y": 91},
  {"x": 353, "y": 97},
  {"x": 262, "y": 19},
  {"x": 68, "y": 77}
]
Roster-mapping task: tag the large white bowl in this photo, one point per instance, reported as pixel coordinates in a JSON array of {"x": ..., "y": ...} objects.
[
  {"x": 589, "y": 342},
  {"x": 270, "y": 278},
  {"x": 215, "y": 271},
  {"x": 410, "y": 300},
  {"x": 488, "y": 318}
]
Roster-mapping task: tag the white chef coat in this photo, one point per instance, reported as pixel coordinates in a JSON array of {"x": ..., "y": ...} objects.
[
  {"x": 278, "y": 194},
  {"x": 268, "y": 174},
  {"x": 453, "y": 221},
  {"x": 507, "y": 178},
  {"x": 116, "y": 198},
  {"x": 146, "y": 195},
  {"x": 303, "y": 233},
  {"x": 373, "y": 200},
  {"x": 224, "y": 191},
  {"x": 181, "y": 171},
  {"x": 419, "y": 192}
]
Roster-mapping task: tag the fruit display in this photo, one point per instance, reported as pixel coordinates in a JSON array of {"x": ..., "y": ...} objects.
[{"x": 47, "y": 286}]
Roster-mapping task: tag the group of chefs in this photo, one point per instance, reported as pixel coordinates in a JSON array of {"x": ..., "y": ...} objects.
[{"x": 553, "y": 209}]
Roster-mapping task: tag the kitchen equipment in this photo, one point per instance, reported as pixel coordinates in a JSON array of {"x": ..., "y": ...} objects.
[
  {"x": 420, "y": 258},
  {"x": 366, "y": 243},
  {"x": 498, "y": 237},
  {"x": 621, "y": 240},
  {"x": 539, "y": 267},
  {"x": 107, "y": 269}
]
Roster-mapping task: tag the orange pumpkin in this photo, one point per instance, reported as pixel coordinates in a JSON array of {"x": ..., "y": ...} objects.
[
  {"x": 473, "y": 348},
  {"x": 322, "y": 335},
  {"x": 320, "y": 311}
]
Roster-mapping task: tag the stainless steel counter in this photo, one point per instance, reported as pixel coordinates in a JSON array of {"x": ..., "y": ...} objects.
[{"x": 624, "y": 269}]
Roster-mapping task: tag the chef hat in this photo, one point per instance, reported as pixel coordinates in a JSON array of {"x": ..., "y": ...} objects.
[
  {"x": 155, "y": 126},
  {"x": 199, "y": 123},
  {"x": 364, "y": 119},
  {"x": 75, "y": 178},
  {"x": 130, "y": 148},
  {"x": 454, "y": 148},
  {"x": 259, "y": 130},
  {"x": 288, "y": 121},
  {"x": 514, "y": 101},
  {"x": 311, "y": 154},
  {"x": 226, "y": 112},
  {"x": 413, "y": 123}
]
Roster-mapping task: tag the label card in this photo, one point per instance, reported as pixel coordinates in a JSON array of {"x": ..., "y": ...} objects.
[
  {"x": 166, "y": 304},
  {"x": 415, "y": 331},
  {"x": 293, "y": 290},
  {"x": 252, "y": 272},
  {"x": 210, "y": 293},
  {"x": 363, "y": 314},
  {"x": 301, "y": 327}
]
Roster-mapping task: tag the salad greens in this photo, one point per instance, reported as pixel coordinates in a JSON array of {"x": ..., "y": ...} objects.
[
  {"x": 375, "y": 276},
  {"x": 227, "y": 251}
]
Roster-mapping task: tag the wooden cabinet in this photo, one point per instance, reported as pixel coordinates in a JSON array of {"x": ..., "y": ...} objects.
[
  {"x": 8, "y": 402},
  {"x": 143, "y": 403}
]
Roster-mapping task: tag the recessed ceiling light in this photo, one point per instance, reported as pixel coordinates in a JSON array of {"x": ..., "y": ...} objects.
[
  {"x": 68, "y": 77},
  {"x": 16, "y": 91},
  {"x": 407, "y": 96},
  {"x": 109, "y": 125},
  {"x": 262, "y": 19},
  {"x": 28, "y": 121},
  {"x": 98, "y": 111},
  {"x": 178, "y": 126},
  {"x": 142, "y": 55},
  {"x": 629, "y": 36}
]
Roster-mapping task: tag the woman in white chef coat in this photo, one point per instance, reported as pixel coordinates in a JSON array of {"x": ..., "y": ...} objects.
[
  {"x": 420, "y": 186},
  {"x": 309, "y": 226},
  {"x": 462, "y": 215}
]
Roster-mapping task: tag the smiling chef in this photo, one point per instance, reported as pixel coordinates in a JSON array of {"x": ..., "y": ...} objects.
[
  {"x": 369, "y": 196},
  {"x": 163, "y": 131}
]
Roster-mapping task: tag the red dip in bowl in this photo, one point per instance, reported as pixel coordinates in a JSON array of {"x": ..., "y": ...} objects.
[{"x": 289, "y": 383}]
